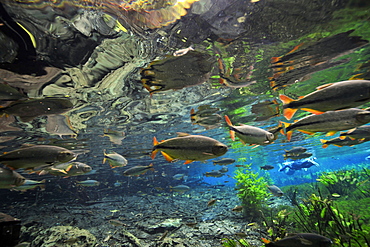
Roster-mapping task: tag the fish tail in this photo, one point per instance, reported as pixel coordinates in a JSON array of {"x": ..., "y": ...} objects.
[
  {"x": 275, "y": 59},
  {"x": 265, "y": 241},
  {"x": 324, "y": 145},
  {"x": 232, "y": 133},
  {"x": 192, "y": 115},
  {"x": 288, "y": 112},
  {"x": 151, "y": 167},
  {"x": 155, "y": 151}
]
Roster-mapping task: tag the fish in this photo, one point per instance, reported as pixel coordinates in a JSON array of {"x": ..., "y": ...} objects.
[
  {"x": 237, "y": 209},
  {"x": 211, "y": 202},
  {"x": 67, "y": 169},
  {"x": 329, "y": 97},
  {"x": 177, "y": 72},
  {"x": 10, "y": 179},
  {"x": 330, "y": 121},
  {"x": 115, "y": 160},
  {"x": 60, "y": 125},
  {"x": 88, "y": 183},
  {"x": 224, "y": 169},
  {"x": 203, "y": 111},
  {"x": 249, "y": 134},
  {"x": 30, "y": 184},
  {"x": 223, "y": 161},
  {"x": 178, "y": 176},
  {"x": 115, "y": 136},
  {"x": 116, "y": 223},
  {"x": 276, "y": 191},
  {"x": 36, "y": 156},
  {"x": 214, "y": 173},
  {"x": 301, "y": 240},
  {"x": 8, "y": 93},
  {"x": 209, "y": 122},
  {"x": 298, "y": 156},
  {"x": 28, "y": 109},
  {"x": 295, "y": 151},
  {"x": 267, "y": 167},
  {"x": 340, "y": 142},
  {"x": 138, "y": 170},
  {"x": 189, "y": 148},
  {"x": 361, "y": 133},
  {"x": 180, "y": 188}
]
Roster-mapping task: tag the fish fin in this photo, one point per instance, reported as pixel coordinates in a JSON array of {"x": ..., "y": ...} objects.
[
  {"x": 255, "y": 146},
  {"x": 324, "y": 86},
  {"x": 188, "y": 162},
  {"x": 43, "y": 172},
  {"x": 192, "y": 114},
  {"x": 265, "y": 241},
  {"x": 312, "y": 111},
  {"x": 285, "y": 99},
  {"x": 289, "y": 113},
  {"x": 342, "y": 137},
  {"x": 154, "y": 152},
  {"x": 331, "y": 133},
  {"x": 324, "y": 145},
  {"x": 307, "y": 132},
  {"x": 228, "y": 121},
  {"x": 182, "y": 134},
  {"x": 289, "y": 135},
  {"x": 167, "y": 157},
  {"x": 104, "y": 160},
  {"x": 305, "y": 241},
  {"x": 69, "y": 168}
]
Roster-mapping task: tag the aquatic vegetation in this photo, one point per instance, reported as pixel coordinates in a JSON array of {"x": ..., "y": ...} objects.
[
  {"x": 322, "y": 215},
  {"x": 276, "y": 224},
  {"x": 347, "y": 182},
  {"x": 226, "y": 242},
  {"x": 252, "y": 190}
]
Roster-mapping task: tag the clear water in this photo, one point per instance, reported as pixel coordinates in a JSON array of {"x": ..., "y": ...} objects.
[{"x": 97, "y": 65}]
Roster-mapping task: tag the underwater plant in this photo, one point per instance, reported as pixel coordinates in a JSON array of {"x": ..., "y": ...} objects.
[
  {"x": 323, "y": 216},
  {"x": 251, "y": 191},
  {"x": 347, "y": 182},
  {"x": 276, "y": 223}
]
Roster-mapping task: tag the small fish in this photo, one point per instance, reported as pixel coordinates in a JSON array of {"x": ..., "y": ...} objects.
[
  {"x": 60, "y": 125},
  {"x": 295, "y": 151},
  {"x": 115, "y": 136},
  {"x": 177, "y": 72},
  {"x": 267, "y": 167},
  {"x": 88, "y": 183},
  {"x": 249, "y": 134},
  {"x": 116, "y": 223},
  {"x": 329, "y": 97},
  {"x": 138, "y": 170},
  {"x": 340, "y": 142},
  {"x": 30, "y": 184},
  {"x": 180, "y": 188},
  {"x": 223, "y": 161},
  {"x": 178, "y": 176},
  {"x": 298, "y": 156},
  {"x": 28, "y": 109},
  {"x": 211, "y": 202},
  {"x": 36, "y": 156},
  {"x": 276, "y": 191},
  {"x": 67, "y": 169},
  {"x": 301, "y": 240},
  {"x": 224, "y": 169},
  {"x": 205, "y": 116},
  {"x": 237, "y": 209},
  {"x": 114, "y": 159},
  {"x": 214, "y": 173},
  {"x": 189, "y": 148},
  {"x": 266, "y": 109},
  {"x": 330, "y": 121},
  {"x": 8, "y": 93},
  {"x": 10, "y": 179},
  {"x": 361, "y": 133}
]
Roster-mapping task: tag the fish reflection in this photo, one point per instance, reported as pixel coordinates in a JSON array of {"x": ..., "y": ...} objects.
[
  {"x": 177, "y": 72},
  {"x": 60, "y": 125},
  {"x": 28, "y": 109},
  {"x": 206, "y": 116},
  {"x": 305, "y": 59},
  {"x": 266, "y": 109}
]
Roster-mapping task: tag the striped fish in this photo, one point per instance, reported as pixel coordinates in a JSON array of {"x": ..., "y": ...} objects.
[
  {"x": 331, "y": 122},
  {"x": 249, "y": 134},
  {"x": 329, "y": 97},
  {"x": 189, "y": 148}
]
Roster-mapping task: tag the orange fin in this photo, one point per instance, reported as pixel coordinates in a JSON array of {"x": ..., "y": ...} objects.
[
  {"x": 275, "y": 59},
  {"x": 289, "y": 113},
  {"x": 167, "y": 157},
  {"x": 316, "y": 112},
  {"x": 154, "y": 152},
  {"x": 307, "y": 132},
  {"x": 289, "y": 135},
  {"x": 342, "y": 137},
  {"x": 228, "y": 121},
  {"x": 188, "y": 162},
  {"x": 265, "y": 241},
  {"x": 331, "y": 133}
]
